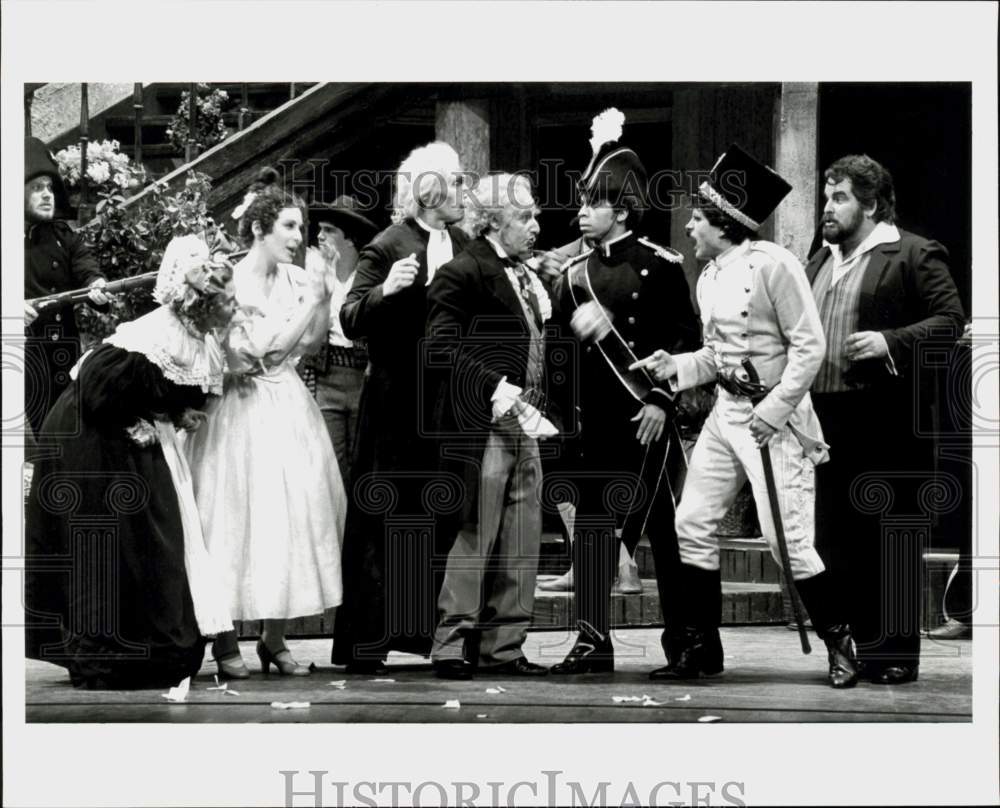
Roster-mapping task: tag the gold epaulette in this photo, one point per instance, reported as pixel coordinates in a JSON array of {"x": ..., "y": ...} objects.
[{"x": 666, "y": 253}]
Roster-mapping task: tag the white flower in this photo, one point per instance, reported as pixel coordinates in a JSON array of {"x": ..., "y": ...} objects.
[
  {"x": 99, "y": 172},
  {"x": 142, "y": 433}
]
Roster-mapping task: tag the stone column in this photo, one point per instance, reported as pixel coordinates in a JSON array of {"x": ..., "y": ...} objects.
[
  {"x": 795, "y": 125},
  {"x": 465, "y": 125}
]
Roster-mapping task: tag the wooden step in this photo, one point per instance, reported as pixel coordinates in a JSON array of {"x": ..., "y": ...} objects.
[
  {"x": 742, "y": 604},
  {"x": 743, "y": 560}
]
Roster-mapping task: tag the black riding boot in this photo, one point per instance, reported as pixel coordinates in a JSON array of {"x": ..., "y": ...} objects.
[
  {"x": 820, "y": 600},
  {"x": 695, "y": 649}
]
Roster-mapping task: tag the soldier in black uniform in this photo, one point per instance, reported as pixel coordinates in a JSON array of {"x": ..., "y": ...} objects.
[
  {"x": 620, "y": 298},
  {"x": 55, "y": 260}
]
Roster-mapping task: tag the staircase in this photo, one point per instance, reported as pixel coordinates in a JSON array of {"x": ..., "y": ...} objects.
[
  {"x": 751, "y": 588},
  {"x": 160, "y": 102}
]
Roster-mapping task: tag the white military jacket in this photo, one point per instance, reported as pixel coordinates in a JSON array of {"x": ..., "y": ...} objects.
[{"x": 756, "y": 302}]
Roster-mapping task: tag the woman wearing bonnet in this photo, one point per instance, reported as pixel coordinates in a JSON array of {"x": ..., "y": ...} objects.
[
  {"x": 266, "y": 478},
  {"x": 119, "y": 587}
]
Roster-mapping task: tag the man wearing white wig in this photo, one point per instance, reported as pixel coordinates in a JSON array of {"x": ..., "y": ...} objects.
[{"x": 390, "y": 588}]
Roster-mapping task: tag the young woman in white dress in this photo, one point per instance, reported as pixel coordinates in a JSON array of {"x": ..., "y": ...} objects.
[{"x": 267, "y": 481}]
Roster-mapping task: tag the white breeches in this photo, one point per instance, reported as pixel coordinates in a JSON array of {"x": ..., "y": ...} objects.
[{"x": 724, "y": 457}]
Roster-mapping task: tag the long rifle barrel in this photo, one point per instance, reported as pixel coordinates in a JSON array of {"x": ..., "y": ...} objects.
[{"x": 132, "y": 284}]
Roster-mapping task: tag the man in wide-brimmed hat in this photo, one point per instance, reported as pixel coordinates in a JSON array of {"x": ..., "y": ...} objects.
[
  {"x": 55, "y": 260},
  {"x": 339, "y": 230}
]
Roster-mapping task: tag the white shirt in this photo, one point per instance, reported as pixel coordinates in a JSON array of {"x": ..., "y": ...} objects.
[
  {"x": 882, "y": 233},
  {"x": 335, "y": 336},
  {"x": 439, "y": 248}
]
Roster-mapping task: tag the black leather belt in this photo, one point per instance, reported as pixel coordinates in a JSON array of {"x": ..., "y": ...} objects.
[
  {"x": 740, "y": 388},
  {"x": 727, "y": 384}
]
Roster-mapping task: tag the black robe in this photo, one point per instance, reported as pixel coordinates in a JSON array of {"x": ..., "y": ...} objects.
[
  {"x": 394, "y": 552},
  {"x": 106, "y": 590}
]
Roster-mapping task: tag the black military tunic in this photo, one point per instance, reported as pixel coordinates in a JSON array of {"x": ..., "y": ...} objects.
[
  {"x": 55, "y": 260},
  {"x": 643, "y": 288}
]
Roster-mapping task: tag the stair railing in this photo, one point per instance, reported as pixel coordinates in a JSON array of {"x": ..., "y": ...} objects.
[{"x": 137, "y": 107}]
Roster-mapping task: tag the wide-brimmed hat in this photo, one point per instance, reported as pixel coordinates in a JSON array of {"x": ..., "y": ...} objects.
[
  {"x": 346, "y": 214},
  {"x": 743, "y": 188}
]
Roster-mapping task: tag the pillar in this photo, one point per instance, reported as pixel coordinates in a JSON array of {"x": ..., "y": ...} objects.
[
  {"x": 795, "y": 131},
  {"x": 465, "y": 125}
]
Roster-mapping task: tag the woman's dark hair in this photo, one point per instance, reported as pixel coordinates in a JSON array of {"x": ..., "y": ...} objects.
[
  {"x": 871, "y": 184},
  {"x": 733, "y": 230},
  {"x": 268, "y": 201}
]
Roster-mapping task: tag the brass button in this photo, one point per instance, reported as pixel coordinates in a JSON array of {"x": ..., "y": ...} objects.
[
  {"x": 644, "y": 272},
  {"x": 55, "y": 337},
  {"x": 635, "y": 295},
  {"x": 631, "y": 320},
  {"x": 58, "y": 318},
  {"x": 55, "y": 264},
  {"x": 631, "y": 344}
]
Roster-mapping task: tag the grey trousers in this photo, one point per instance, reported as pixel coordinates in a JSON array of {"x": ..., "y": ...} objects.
[{"x": 489, "y": 585}]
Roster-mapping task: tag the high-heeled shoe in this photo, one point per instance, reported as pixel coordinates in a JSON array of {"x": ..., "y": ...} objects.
[
  {"x": 232, "y": 667},
  {"x": 281, "y": 659}
]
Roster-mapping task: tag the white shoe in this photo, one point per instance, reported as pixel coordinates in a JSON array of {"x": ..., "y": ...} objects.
[
  {"x": 627, "y": 582},
  {"x": 564, "y": 583}
]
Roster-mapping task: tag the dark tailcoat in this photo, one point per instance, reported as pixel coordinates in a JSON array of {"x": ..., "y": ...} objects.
[
  {"x": 390, "y": 588},
  {"x": 479, "y": 335},
  {"x": 873, "y": 429}
]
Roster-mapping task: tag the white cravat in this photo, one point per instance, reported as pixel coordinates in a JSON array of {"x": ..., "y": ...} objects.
[
  {"x": 439, "y": 249},
  {"x": 882, "y": 233}
]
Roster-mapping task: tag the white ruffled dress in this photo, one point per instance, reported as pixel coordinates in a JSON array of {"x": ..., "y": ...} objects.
[{"x": 266, "y": 479}]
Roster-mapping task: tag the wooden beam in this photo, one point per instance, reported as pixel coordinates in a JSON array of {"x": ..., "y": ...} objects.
[
  {"x": 465, "y": 125},
  {"x": 795, "y": 125}
]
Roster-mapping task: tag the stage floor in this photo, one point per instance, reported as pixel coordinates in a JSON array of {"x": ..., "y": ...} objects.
[{"x": 767, "y": 679}]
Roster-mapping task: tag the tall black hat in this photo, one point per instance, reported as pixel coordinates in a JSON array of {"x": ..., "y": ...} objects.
[
  {"x": 38, "y": 161},
  {"x": 615, "y": 172},
  {"x": 744, "y": 189},
  {"x": 345, "y": 213}
]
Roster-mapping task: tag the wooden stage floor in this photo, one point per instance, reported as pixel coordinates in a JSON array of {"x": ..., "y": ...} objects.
[{"x": 767, "y": 680}]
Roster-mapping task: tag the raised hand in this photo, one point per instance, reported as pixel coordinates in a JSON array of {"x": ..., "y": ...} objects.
[{"x": 402, "y": 274}]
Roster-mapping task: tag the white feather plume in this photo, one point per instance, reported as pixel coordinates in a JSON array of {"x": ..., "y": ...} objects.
[{"x": 606, "y": 128}]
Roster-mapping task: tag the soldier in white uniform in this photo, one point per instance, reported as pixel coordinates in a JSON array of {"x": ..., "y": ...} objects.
[{"x": 755, "y": 304}]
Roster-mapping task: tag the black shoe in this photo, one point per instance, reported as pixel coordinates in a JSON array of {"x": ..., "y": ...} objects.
[
  {"x": 366, "y": 668},
  {"x": 711, "y": 656},
  {"x": 519, "y": 667},
  {"x": 453, "y": 669},
  {"x": 896, "y": 675},
  {"x": 696, "y": 653},
  {"x": 592, "y": 653},
  {"x": 843, "y": 659}
]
